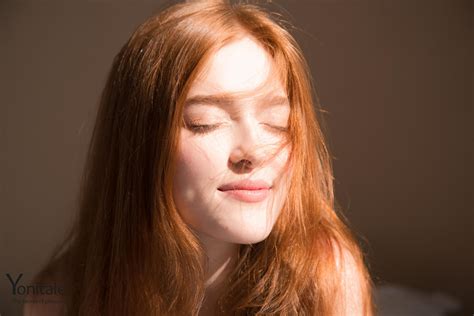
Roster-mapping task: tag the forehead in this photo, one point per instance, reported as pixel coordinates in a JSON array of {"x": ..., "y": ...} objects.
[{"x": 241, "y": 66}]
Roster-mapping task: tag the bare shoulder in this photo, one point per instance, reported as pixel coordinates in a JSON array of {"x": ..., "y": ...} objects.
[
  {"x": 352, "y": 282},
  {"x": 45, "y": 294},
  {"x": 345, "y": 261}
]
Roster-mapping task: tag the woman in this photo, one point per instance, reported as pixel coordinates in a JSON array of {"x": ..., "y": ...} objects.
[{"x": 208, "y": 186}]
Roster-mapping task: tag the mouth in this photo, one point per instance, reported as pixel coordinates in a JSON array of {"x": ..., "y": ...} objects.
[
  {"x": 247, "y": 195},
  {"x": 246, "y": 184}
]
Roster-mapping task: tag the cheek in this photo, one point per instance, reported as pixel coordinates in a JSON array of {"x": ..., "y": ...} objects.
[
  {"x": 283, "y": 170},
  {"x": 197, "y": 163},
  {"x": 281, "y": 159},
  {"x": 195, "y": 178}
]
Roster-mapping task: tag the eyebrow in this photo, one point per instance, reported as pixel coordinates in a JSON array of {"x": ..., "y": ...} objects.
[{"x": 225, "y": 100}]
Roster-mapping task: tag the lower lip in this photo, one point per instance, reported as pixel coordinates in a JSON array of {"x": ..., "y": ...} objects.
[{"x": 250, "y": 196}]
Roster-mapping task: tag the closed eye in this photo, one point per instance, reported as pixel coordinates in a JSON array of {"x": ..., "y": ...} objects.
[
  {"x": 201, "y": 128},
  {"x": 278, "y": 128}
]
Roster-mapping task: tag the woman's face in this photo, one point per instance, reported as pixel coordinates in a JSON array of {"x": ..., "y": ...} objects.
[{"x": 229, "y": 138}]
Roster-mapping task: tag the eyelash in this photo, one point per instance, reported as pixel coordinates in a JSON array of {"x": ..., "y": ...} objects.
[
  {"x": 204, "y": 129},
  {"x": 279, "y": 128}
]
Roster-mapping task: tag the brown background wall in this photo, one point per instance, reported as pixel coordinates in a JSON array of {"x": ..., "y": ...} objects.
[{"x": 394, "y": 76}]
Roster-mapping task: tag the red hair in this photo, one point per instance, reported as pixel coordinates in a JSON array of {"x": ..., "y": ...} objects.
[{"x": 130, "y": 252}]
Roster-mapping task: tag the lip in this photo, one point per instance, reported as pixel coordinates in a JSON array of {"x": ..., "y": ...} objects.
[
  {"x": 249, "y": 196},
  {"x": 247, "y": 184},
  {"x": 250, "y": 191}
]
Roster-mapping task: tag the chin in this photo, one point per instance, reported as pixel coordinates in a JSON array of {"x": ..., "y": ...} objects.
[{"x": 246, "y": 236}]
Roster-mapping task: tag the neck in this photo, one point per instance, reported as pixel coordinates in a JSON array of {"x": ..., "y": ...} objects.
[{"x": 221, "y": 259}]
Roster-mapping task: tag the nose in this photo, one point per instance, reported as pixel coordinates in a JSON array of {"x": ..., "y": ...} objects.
[{"x": 248, "y": 150}]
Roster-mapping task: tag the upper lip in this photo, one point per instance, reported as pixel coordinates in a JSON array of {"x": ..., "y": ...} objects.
[{"x": 245, "y": 185}]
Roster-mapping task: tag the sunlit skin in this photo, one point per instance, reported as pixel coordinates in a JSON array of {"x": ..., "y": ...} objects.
[{"x": 249, "y": 127}]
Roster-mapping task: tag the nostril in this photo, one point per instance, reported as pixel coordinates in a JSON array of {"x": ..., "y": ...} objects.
[{"x": 245, "y": 163}]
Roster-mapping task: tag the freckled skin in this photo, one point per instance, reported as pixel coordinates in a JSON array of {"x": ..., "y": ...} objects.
[{"x": 203, "y": 162}]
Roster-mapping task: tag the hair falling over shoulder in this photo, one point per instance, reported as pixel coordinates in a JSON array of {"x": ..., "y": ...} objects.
[{"x": 130, "y": 253}]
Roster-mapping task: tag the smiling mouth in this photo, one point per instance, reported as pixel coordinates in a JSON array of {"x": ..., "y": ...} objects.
[{"x": 249, "y": 196}]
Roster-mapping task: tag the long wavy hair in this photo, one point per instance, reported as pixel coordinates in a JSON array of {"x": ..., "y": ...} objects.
[{"x": 130, "y": 252}]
